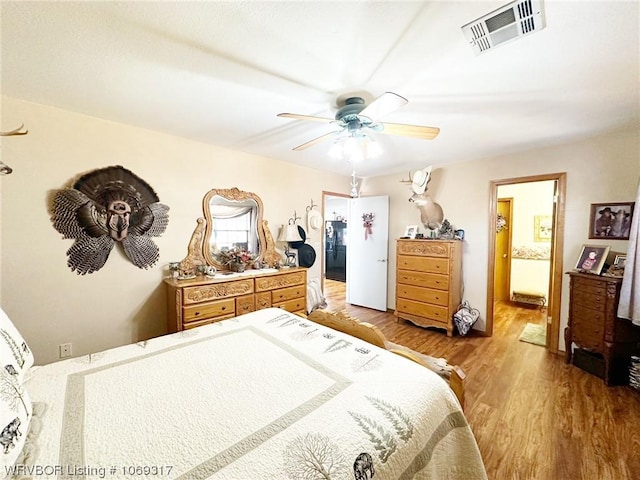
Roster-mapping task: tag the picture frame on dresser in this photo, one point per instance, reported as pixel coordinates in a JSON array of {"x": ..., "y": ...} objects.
[
  {"x": 410, "y": 231},
  {"x": 620, "y": 261},
  {"x": 592, "y": 258}
]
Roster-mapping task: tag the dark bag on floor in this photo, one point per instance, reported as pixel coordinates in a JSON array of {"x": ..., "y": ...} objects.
[{"x": 465, "y": 317}]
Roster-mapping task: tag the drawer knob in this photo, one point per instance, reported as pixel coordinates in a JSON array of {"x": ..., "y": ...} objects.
[
  {"x": 196, "y": 314},
  {"x": 224, "y": 308}
]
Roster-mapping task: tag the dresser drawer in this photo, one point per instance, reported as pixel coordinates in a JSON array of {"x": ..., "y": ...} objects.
[
  {"x": 263, "y": 300},
  {"x": 208, "y": 310},
  {"x": 212, "y": 291},
  {"x": 290, "y": 293},
  {"x": 292, "y": 305},
  {"x": 584, "y": 285},
  {"x": 199, "y": 323},
  {"x": 422, "y": 310},
  {"x": 419, "y": 294},
  {"x": 587, "y": 327},
  {"x": 245, "y": 304},
  {"x": 424, "y": 264},
  {"x": 425, "y": 248},
  {"x": 587, "y": 317},
  {"x": 595, "y": 301},
  {"x": 420, "y": 279},
  {"x": 280, "y": 281},
  {"x": 588, "y": 337}
]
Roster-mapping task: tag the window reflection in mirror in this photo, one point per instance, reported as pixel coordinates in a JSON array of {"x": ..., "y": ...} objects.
[
  {"x": 233, "y": 219},
  {"x": 234, "y": 225}
]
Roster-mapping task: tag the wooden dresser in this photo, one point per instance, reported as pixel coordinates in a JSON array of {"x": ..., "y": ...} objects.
[
  {"x": 201, "y": 300},
  {"x": 428, "y": 282},
  {"x": 595, "y": 328}
]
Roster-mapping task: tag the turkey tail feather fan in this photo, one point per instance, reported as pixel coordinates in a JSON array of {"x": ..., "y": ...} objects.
[
  {"x": 105, "y": 206},
  {"x": 141, "y": 250},
  {"x": 88, "y": 254}
]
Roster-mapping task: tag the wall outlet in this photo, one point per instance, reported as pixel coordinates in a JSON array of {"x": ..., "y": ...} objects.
[{"x": 65, "y": 350}]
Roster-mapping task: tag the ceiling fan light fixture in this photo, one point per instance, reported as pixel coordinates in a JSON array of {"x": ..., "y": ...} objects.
[
  {"x": 335, "y": 151},
  {"x": 354, "y": 117},
  {"x": 355, "y": 147}
]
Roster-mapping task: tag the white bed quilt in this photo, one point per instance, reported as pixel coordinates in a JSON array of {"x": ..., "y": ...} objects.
[{"x": 267, "y": 395}]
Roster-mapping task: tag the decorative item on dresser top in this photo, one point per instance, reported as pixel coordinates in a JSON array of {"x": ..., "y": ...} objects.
[
  {"x": 605, "y": 343},
  {"x": 428, "y": 282}
]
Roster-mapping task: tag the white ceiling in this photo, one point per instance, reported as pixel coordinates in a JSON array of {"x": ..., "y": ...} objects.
[{"x": 219, "y": 72}]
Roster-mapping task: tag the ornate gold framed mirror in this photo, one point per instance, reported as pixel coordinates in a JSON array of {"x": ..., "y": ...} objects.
[{"x": 233, "y": 221}]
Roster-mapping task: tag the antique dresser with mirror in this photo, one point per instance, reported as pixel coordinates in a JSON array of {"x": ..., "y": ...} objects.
[{"x": 232, "y": 219}]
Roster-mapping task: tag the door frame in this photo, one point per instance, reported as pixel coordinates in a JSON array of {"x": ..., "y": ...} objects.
[
  {"x": 556, "y": 263},
  {"x": 323, "y": 266}
]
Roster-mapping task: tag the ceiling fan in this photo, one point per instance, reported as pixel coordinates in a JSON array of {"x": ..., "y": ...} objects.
[{"x": 354, "y": 117}]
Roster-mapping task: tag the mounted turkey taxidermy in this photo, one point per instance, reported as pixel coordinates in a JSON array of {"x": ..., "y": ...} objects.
[{"x": 105, "y": 206}]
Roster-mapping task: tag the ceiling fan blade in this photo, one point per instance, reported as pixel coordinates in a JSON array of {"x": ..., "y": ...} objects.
[
  {"x": 319, "y": 139},
  {"x": 415, "y": 131},
  {"x": 306, "y": 117},
  {"x": 386, "y": 103}
]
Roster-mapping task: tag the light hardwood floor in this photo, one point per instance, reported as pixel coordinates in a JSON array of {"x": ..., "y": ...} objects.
[{"x": 534, "y": 417}]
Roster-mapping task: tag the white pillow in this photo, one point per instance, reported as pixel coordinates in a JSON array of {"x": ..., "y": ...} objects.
[
  {"x": 15, "y": 416},
  {"x": 15, "y": 355},
  {"x": 315, "y": 299}
]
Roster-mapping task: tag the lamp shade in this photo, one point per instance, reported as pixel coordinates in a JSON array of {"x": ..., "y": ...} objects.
[{"x": 289, "y": 233}]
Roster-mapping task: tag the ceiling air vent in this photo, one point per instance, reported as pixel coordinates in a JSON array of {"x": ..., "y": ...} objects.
[{"x": 507, "y": 23}]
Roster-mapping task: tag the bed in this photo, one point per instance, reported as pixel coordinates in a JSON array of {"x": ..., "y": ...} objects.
[{"x": 266, "y": 395}]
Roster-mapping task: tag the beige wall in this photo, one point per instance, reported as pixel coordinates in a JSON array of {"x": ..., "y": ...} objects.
[
  {"x": 120, "y": 303},
  {"x": 599, "y": 170}
]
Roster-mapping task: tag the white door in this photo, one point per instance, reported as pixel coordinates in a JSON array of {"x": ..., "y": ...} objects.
[{"x": 367, "y": 252}]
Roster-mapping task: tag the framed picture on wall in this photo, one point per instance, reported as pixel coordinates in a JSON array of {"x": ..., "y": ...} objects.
[
  {"x": 542, "y": 228},
  {"x": 592, "y": 258},
  {"x": 611, "y": 220}
]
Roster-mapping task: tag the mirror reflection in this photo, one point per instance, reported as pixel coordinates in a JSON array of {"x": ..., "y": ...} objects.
[
  {"x": 234, "y": 226},
  {"x": 233, "y": 221}
]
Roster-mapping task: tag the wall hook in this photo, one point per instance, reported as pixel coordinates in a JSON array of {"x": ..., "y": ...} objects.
[{"x": 312, "y": 206}]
